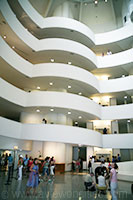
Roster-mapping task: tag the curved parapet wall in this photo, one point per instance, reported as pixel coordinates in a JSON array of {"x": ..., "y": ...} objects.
[
  {"x": 49, "y": 132},
  {"x": 66, "y": 71},
  {"x": 118, "y": 141},
  {"x": 65, "y": 134},
  {"x": 48, "y": 99},
  {"x": 117, "y": 112},
  {"x": 64, "y": 101},
  {"x": 117, "y": 59},
  {"x": 98, "y": 39},
  {"x": 65, "y": 45}
]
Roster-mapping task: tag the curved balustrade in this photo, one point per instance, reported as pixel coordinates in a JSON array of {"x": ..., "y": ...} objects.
[
  {"x": 65, "y": 134},
  {"x": 98, "y": 39},
  {"x": 65, "y": 45},
  {"x": 65, "y": 71},
  {"x": 64, "y": 101}
]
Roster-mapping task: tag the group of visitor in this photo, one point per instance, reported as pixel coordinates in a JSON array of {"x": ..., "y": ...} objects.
[
  {"x": 31, "y": 167},
  {"x": 105, "y": 178}
]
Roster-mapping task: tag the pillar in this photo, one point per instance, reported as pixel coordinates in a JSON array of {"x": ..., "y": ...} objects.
[
  {"x": 89, "y": 125},
  {"x": 63, "y": 10},
  {"x": 113, "y": 102},
  {"x": 114, "y": 127}
]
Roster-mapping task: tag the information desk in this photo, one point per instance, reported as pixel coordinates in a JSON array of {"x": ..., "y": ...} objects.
[{"x": 59, "y": 167}]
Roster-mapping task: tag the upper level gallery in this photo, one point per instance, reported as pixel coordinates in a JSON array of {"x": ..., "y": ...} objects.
[
  {"x": 32, "y": 75},
  {"x": 71, "y": 135},
  {"x": 65, "y": 21},
  {"x": 63, "y": 102},
  {"x": 65, "y": 28}
]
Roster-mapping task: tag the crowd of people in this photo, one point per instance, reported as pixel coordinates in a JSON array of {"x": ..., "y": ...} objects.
[
  {"x": 36, "y": 169},
  {"x": 105, "y": 177}
]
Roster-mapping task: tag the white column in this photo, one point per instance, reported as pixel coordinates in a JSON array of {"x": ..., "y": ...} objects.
[
  {"x": 63, "y": 10},
  {"x": 89, "y": 125},
  {"x": 90, "y": 152},
  {"x": 58, "y": 150},
  {"x": 115, "y": 152},
  {"x": 128, "y": 127},
  {"x": 68, "y": 155},
  {"x": 31, "y": 118},
  {"x": 114, "y": 127},
  {"x": 37, "y": 149},
  {"x": 113, "y": 102},
  {"x": 80, "y": 11},
  {"x": 51, "y": 117}
]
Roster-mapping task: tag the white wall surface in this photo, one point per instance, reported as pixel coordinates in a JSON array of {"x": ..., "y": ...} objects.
[
  {"x": 117, "y": 112},
  {"x": 96, "y": 19},
  {"x": 114, "y": 60},
  {"x": 125, "y": 167},
  {"x": 49, "y": 132},
  {"x": 62, "y": 70},
  {"x": 63, "y": 100},
  {"x": 9, "y": 143},
  {"x": 55, "y": 149},
  {"x": 64, "y": 134},
  {"x": 118, "y": 141},
  {"x": 31, "y": 41},
  {"x": 37, "y": 149}
]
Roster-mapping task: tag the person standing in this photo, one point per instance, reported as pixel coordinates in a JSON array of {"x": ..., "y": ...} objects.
[
  {"x": 20, "y": 166},
  {"x": 10, "y": 165},
  {"x": 113, "y": 181},
  {"x": 52, "y": 166},
  {"x": 25, "y": 162},
  {"x": 33, "y": 180}
]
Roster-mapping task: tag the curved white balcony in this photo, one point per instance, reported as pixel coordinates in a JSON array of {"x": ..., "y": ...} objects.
[
  {"x": 118, "y": 141},
  {"x": 116, "y": 85},
  {"x": 13, "y": 60},
  {"x": 117, "y": 112},
  {"x": 48, "y": 99},
  {"x": 64, "y": 45},
  {"x": 64, "y": 101},
  {"x": 65, "y": 134},
  {"x": 118, "y": 59},
  {"x": 98, "y": 39}
]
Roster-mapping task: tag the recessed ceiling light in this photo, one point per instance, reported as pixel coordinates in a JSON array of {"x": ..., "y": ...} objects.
[
  {"x": 51, "y": 109},
  {"x": 96, "y": 2},
  {"x": 128, "y": 120},
  {"x": 51, "y": 83},
  {"x": 80, "y": 93},
  {"x": 13, "y": 47},
  {"x": 69, "y": 63},
  {"x": 125, "y": 97},
  {"x": 38, "y": 87},
  {"x": 37, "y": 110},
  {"x": 4, "y": 37},
  {"x": 80, "y": 117},
  {"x": 106, "y": 1},
  {"x": 52, "y": 60},
  {"x": 69, "y": 86},
  {"x": 69, "y": 113}
]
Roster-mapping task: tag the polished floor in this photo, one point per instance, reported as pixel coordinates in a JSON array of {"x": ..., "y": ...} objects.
[{"x": 64, "y": 187}]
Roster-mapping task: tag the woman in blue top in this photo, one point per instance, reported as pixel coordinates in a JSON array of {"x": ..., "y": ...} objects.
[{"x": 33, "y": 177}]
